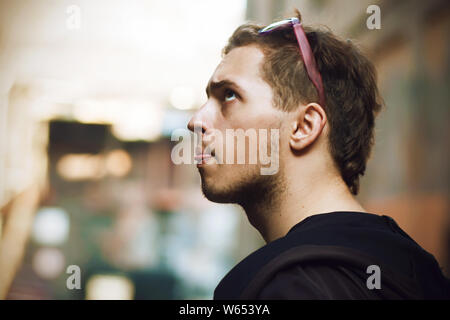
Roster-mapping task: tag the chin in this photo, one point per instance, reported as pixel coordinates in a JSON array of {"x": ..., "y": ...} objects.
[
  {"x": 240, "y": 187},
  {"x": 214, "y": 193}
]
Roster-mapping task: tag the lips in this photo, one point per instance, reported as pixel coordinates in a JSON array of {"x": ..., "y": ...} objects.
[{"x": 201, "y": 157}]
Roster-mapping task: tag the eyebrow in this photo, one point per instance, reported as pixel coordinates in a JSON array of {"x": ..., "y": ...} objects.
[{"x": 213, "y": 86}]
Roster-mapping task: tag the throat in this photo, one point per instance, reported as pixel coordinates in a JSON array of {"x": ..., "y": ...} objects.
[{"x": 263, "y": 207}]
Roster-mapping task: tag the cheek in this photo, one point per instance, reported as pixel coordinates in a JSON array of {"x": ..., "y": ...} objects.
[
  {"x": 284, "y": 145},
  {"x": 253, "y": 113},
  {"x": 253, "y": 119}
]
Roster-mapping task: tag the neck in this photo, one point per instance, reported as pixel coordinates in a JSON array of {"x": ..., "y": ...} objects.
[{"x": 292, "y": 201}]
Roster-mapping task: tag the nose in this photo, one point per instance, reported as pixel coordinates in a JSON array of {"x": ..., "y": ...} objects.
[{"x": 197, "y": 122}]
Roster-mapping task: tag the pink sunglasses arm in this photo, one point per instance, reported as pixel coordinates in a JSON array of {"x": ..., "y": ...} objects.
[{"x": 310, "y": 61}]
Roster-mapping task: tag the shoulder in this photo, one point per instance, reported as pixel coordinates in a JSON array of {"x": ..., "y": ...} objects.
[
  {"x": 311, "y": 272},
  {"x": 317, "y": 280},
  {"x": 330, "y": 242},
  {"x": 328, "y": 272}
]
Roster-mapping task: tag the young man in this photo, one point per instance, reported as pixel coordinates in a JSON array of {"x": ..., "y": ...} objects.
[{"x": 321, "y": 96}]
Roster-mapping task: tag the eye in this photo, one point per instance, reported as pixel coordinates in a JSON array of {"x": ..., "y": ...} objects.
[{"x": 230, "y": 95}]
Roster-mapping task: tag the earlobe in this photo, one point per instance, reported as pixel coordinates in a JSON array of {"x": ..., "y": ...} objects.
[{"x": 295, "y": 142}]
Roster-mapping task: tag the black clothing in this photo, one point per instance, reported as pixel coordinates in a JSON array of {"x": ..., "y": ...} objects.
[{"x": 326, "y": 256}]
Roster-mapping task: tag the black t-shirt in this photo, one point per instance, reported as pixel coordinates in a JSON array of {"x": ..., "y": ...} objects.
[{"x": 337, "y": 255}]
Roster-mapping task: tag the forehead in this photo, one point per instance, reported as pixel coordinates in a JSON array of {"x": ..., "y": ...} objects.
[{"x": 242, "y": 64}]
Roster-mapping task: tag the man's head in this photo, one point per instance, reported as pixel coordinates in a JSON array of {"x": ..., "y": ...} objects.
[{"x": 262, "y": 83}]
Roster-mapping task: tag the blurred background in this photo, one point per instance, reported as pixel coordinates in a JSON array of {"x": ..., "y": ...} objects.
[{"x": 90, "y": 92}]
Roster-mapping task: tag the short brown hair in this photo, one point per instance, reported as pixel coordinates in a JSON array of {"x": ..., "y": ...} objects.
[{"x": 349, "y": 80}]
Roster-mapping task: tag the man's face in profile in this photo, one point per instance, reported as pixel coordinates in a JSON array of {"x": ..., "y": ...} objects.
[{"x": 238, "y": 98}]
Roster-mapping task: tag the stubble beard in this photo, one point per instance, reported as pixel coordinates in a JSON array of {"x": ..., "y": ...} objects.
[{"x": 251, "y": 190}]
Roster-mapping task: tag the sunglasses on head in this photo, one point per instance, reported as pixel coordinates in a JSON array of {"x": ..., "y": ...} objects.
[{"x": 305, "y": 50}]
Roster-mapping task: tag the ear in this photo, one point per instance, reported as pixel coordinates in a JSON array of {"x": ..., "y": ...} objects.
[{"x": 307, "y": 126}]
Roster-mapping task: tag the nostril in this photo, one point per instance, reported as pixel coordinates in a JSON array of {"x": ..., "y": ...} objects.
[{"x": 198, "y": 127}]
